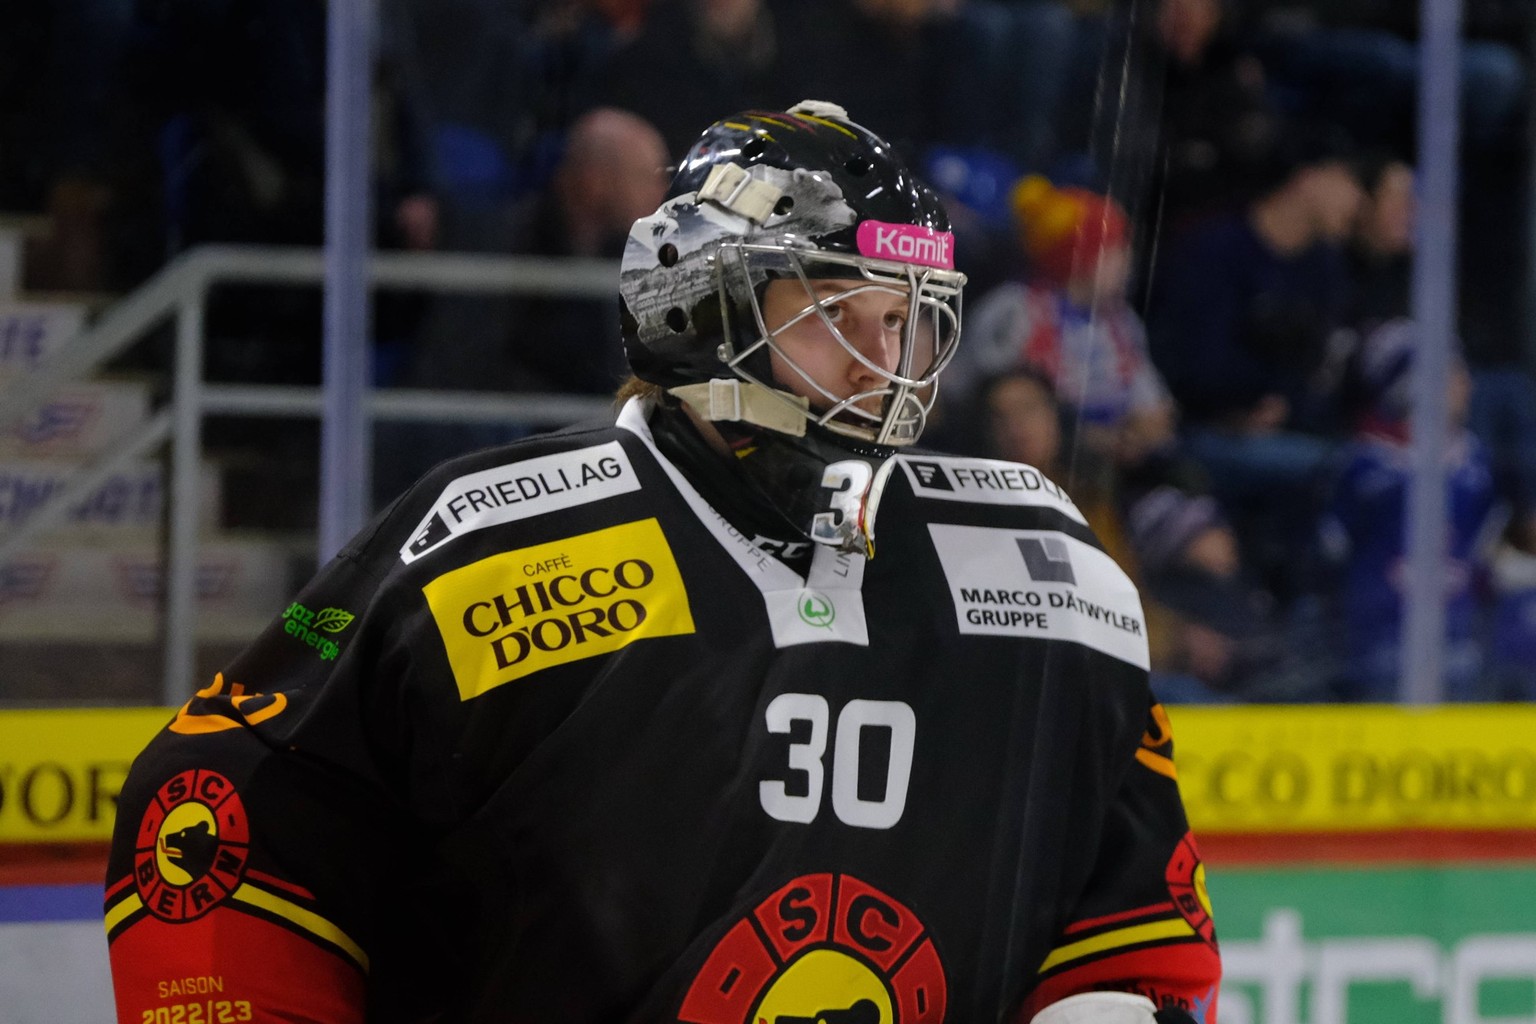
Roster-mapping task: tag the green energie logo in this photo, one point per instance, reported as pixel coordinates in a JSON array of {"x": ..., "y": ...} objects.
[{"x": 311, "y": 627}]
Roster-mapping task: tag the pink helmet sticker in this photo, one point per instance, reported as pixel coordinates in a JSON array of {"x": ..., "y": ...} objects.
[{"x": 907, "y": 243}]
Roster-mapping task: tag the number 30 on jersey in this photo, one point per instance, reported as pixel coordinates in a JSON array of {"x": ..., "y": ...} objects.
[{"x": 808, "y": 772}]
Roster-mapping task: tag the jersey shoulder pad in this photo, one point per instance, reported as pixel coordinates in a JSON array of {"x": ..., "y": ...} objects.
[
  {"x": 978, "y": 481},
  {"x": 520, "y": 481}
]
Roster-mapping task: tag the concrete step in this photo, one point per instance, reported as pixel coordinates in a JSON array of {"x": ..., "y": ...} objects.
[
  {"x": 79, "y": 420},
  {"x": 65, "y": 592},
  {"x": 78, "y": 673},
  {"x": 130, "y": 500},
  {"x": 31, "y": 329}
]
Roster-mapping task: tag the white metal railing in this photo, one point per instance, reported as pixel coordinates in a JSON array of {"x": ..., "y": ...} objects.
[{"x": 179, "y": 291}]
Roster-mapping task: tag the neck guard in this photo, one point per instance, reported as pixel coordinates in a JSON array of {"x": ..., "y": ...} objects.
[{"x": 826, "y": 487}]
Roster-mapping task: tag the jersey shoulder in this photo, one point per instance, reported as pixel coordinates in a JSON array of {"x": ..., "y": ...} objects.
[
  {"x": 526, "y": 481},
  {"x": 1019, "y": 557},
  {"x": 992, "y": 484}
]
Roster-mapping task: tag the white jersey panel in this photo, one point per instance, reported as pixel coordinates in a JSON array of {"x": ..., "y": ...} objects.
[
  {"x": 521, "y": 490},
  {"x": 986, "y": 482},
  {"x": 1041, "y": 583}
]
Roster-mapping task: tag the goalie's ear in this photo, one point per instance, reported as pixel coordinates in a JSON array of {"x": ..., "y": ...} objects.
[{"x": 1101, "y": 1008}]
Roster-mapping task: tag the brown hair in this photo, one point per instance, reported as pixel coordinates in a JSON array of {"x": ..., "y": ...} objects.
[{"x": 634, "y": 387}]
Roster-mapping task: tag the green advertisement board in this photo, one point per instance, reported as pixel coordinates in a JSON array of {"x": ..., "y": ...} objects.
[{"x": 1377, "y": 945}]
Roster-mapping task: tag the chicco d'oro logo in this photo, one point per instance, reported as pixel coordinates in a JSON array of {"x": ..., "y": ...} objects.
[
  {"x": 519, "y": 612},
  {"x": 192, "y": 846},
  {"x": 825, "y": 947},
  {"x": 816, "y": 609}
]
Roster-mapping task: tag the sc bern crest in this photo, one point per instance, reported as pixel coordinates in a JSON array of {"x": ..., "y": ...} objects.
[
  {"x": 825, "y": 947},
  {"x": 192, "y": 846}
]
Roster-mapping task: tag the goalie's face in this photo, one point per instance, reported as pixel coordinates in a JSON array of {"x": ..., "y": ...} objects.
[
  {"x": 810, "y": 360},
  {"x": 841, "y": 343}
]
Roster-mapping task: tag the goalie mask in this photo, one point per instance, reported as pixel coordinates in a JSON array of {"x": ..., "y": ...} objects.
[{"x": 814, "y": 205}]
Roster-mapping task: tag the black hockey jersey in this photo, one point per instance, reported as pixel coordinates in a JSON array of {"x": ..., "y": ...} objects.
[{"x": 553, "y": 740}]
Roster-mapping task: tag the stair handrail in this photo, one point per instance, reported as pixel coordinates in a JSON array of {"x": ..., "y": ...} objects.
[{"x": 178, "y": 290}]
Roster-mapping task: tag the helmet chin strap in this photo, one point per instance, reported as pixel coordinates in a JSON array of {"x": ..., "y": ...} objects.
[
  {"x": 828, "y": 489},
  {"x": 728, "y": 400}
]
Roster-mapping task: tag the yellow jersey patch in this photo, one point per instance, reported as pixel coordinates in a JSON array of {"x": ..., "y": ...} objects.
[{"x": 516, "y": 613}]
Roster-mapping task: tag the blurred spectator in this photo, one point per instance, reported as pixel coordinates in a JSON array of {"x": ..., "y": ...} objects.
[
  {"x": 1501, "y": 415},
  {"x": 694, "y": 58},
  {"x": 241, "y": 87},
  {"x": 976, "y": 186},
  {"x": 1244, "y": 319},
  {"x": 565, "y": 44},
  {"x": 477, "y": 65},
  {"x": 502, "y": 81},
  {"x": 1022, "y": 421},
  {"x": 1210, "y": 627},
  {"x": 1381, "y": 248},
  {"x": 969, "y": 73},
  {"x": 1502, "y": 411},
  {"x": 1221, "y": 635},
  {"x": 1071, "y": 321},
  {"x": 1218, "y": 120},
  {"x": 240, "y": 91},
  {"x": 1365, "y": 521},
  {"x": 1512, "y": 641},
  {"x": 612, "y": 172},
  {"x": 1243, "y": 305},
  {"x": 1177, "y": 106},
  {"x": 71, "y": 146},
  {"x": 1357, "y": 61}
]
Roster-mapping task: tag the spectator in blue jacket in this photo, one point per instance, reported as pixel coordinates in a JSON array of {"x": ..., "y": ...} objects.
[
  {"x": 1512, "y": 639},
  {"x": 1365, "y": 523}
]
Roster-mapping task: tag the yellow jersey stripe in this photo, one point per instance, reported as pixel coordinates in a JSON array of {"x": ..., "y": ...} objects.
[
  {"x": 305, "y": 919},
  {"x": 1173, "y": 928},
  {"x": 128, "y": 905}
]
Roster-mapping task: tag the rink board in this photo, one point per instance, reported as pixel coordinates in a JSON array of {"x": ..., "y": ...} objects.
[
  {"x": 53, "y": 956},
  {"x": 1366, "y": 864}
]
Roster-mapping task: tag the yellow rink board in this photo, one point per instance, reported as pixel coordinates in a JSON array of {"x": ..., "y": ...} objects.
[
  {"x": 60, "y": 771},
  {"x": 1251, "y": 769},
  {"x": 1356, "y": 768}
]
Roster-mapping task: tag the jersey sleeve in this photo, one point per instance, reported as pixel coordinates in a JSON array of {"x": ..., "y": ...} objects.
[
  {"x": 257, "y": 834},
  {"x": 1144, "y": 924}
]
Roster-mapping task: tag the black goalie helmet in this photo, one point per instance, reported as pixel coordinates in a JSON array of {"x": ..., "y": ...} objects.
[{"x": 801, "y": 195}]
